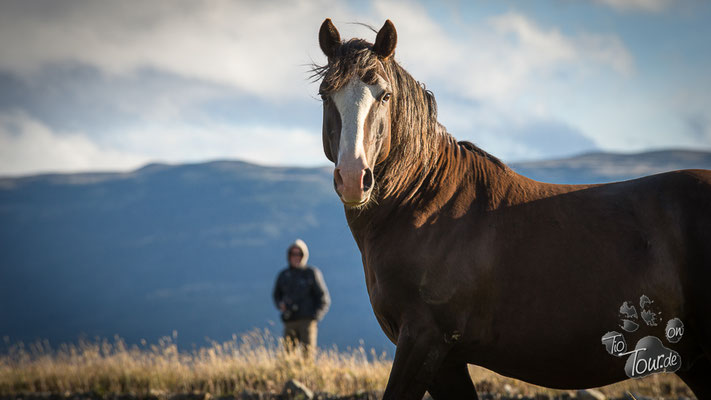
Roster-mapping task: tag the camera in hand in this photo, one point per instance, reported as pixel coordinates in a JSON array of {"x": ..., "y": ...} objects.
[{"x": 289, "y": 312}]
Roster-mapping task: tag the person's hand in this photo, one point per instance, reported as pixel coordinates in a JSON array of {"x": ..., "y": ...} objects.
[{"x": 282, "y": 307}]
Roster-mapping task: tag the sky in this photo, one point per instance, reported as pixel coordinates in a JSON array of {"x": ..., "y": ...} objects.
[{"x": 114, "y": 85}]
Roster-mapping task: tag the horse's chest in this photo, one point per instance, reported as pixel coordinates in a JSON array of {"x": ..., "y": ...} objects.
[
  {"x": 385, "y": 313},
  {"x": 395, "y": 297}
]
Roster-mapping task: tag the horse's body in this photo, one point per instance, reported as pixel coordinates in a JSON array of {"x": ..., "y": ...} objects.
[
  {"x": 468, "y": 262},
  {"x": 531, "y": 275}
]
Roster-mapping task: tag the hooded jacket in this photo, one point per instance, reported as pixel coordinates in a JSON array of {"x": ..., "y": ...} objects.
[{"x": 301, "y": 288}]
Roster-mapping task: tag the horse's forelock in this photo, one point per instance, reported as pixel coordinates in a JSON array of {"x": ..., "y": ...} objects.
[{"x": 353, "y": 58}]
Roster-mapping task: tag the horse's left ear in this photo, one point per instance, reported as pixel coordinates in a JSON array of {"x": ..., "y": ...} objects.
[{"x": 386, "y": 40}]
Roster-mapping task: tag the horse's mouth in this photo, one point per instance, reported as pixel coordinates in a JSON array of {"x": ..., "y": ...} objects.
[{"x": 354, "y": 205}]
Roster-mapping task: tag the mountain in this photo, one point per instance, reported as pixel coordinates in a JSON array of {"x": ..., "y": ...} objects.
[
  {"x": 610, "y": 167},
  {"x": 193, "y": 248},
  {"x": 196, "y": 247}
]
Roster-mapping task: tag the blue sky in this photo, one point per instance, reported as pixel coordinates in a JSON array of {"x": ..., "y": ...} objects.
[{"x": 107, "y": 85}]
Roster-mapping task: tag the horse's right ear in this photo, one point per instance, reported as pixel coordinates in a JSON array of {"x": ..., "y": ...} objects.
[{"x": 328, "y": 38}]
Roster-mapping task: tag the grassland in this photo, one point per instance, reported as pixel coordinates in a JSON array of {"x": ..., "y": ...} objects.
[{"x": 253, "y": 362}]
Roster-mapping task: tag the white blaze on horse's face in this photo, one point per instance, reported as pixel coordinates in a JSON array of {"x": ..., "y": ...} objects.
[
  {"x": 353, "y": 102},
  {"x": 353, "y": 174}
]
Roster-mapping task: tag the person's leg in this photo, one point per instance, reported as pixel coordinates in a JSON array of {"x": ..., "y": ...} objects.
[
  {"x": 307, "y": 336},
  {"x": 311, "y": 336},
  {"x": 291, "y": 334}
]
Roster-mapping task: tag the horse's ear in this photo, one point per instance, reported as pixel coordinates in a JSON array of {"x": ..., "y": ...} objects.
[
  {"x": 386, "y": 40},
  {"x": 328, "y": 38}
]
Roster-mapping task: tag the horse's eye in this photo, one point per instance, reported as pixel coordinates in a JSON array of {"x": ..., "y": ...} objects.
[
  {"x": 324, "y": 97},
  {"x": 385, "y": 98}
]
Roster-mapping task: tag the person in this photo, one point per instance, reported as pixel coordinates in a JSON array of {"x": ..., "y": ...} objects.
[{"x": 301, "y": 295}]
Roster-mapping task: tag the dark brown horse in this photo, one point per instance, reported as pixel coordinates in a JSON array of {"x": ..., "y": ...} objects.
[{"x": 468, "y": 262}]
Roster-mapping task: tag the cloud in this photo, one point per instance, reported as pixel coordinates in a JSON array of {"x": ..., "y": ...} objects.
[
  {"x": 527, "y": 138},
  {"x": 653, "y": 6},
  {"x": 84, "y": 99},
  {"x": 257, "y": 47},
  {"x": 699, "y": 125},
  {"x": 29, "y": 146},
  {"x": 188, "y": 81},
  {"x": 262, "y": 144},
  {"x": 502, "y": 82},
  {"x": 499, "y": 59},
  {"x": 260, "y": 47}
]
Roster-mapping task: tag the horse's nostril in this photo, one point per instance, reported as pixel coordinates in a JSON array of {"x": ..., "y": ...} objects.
[
  {"x": 337, "y": 178},
  {"x": 368, "y": 180}
]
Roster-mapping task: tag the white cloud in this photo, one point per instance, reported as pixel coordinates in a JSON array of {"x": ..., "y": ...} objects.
[
  {"x": 638, "y": 5},
  {"x": 257, "y": 47},
  {"x": 262, "y": 144},
  {"x": 29, "y": 146},
  {"x": 499, "y": 79},
  {"x": 515, "y": 136},
  {"x": 496, "y": 61},
  {"x": 499, "y": 82},
  {"x": 260, "y": 47},
  {"x": 539, "y": 48}
]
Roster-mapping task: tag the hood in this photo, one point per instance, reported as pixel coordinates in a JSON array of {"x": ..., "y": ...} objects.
[{"x": 298, "y": 243}]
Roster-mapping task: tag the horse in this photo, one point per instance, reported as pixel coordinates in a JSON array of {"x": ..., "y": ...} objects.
[{"x": 468, "y": 262}]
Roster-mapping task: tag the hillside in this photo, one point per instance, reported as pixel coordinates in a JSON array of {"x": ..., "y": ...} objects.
[
  {"x": 196, "y": 247},
  {"x": 192, "y": 248}
]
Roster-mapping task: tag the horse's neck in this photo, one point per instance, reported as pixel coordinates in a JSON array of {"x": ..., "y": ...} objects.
[{"x": 460, "y": 181}]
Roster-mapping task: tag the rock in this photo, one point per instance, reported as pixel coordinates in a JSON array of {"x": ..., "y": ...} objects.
[
  {"x": 296, "y": 390},
  {"x": 637, "y": 396},
  {"x": 509, "y": 390},
  {"x": 590, "y": 394}
]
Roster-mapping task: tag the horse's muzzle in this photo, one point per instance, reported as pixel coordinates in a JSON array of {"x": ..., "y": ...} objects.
[{"x": 353, "y": 185}]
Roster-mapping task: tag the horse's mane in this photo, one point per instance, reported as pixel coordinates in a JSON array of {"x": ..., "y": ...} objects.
[{"x": 415, "y": 135}]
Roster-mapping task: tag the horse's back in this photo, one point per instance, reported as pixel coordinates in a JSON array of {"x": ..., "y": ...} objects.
[{"x": 672, "y": 207}]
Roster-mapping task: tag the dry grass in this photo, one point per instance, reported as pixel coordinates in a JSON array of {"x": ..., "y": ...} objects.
[
  {"x": 255, "y": 361},
  {"x": 656, "y": 386}
]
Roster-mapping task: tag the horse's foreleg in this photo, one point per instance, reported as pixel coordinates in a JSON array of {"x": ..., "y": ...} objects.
[
  {"x": 452, "y": 381},
  {"x": 419, "y": 354},
  {"x": 697, "y": 378}
]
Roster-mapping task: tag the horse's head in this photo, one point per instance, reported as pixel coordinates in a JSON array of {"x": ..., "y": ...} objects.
[{"x": 356, "y": 93}]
